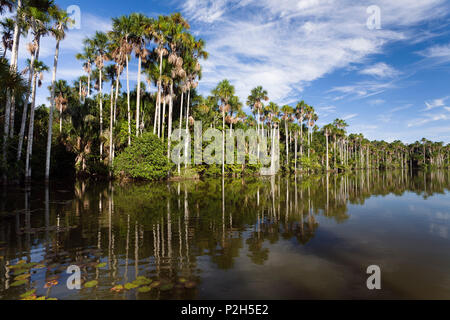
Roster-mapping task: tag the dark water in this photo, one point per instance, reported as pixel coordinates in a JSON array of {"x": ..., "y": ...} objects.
[{"x": 257, "y": 238}]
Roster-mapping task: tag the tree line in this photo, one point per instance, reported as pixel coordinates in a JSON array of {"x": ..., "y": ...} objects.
[{"x": 99, "y": 116}]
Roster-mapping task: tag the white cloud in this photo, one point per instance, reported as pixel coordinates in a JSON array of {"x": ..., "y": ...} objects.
[
  {"x": 428, "y": 118},
  {"x": 436, "y": 103},
  {"x": 285, "y": 45},
  {"x": 350, "y": 116},
  {"x": 380, "y": 70},
  {"x": 438, "y": 51}
]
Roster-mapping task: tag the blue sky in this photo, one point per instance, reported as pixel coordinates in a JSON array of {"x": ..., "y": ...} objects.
[{"x": 389, "y": 83}]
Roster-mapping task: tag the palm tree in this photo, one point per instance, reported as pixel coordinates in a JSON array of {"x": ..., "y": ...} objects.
[
  {"x": 38, "y": 18},
  {"x": 287, "y": 117},
  {"x": 100, "y": 45},
  {"x": 142, "y": 30},
  {"x": 38, "y": 69},
  {"x": 224, "y": 91},
  {"x": 300, "y": 111},
  {"x": 328, "y": 129},
  {"x": 312, "y": 118},
  {"x": 88, "y": 57},
  {"x": 12, "y": 82},
  {"x": 7, "y": 26},
  {"x": 61, "y": 22},
  {"x": 122, "y": 29},
  {"x": 255, "y": 102}
]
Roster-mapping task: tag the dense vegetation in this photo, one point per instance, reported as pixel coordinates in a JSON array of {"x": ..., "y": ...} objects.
[{"x": 99, "y": 117}]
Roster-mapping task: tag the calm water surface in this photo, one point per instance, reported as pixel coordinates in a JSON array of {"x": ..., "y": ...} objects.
[{"x": 254, "y": 238}]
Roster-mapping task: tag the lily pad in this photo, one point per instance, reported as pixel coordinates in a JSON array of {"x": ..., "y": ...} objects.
[
  {"x": 190, "y": 284},
  {"x": 144, "y": 289},
  {"x": 18, "y": 283},
  {"x": 166, "y": 287},
  {"x": 155, "y": 284},
  {"x": 141, "y": 281},
  {"x": 91, "y": 284},
  {"x": 117, "y": 288},
  {"x": 28, "y": 293},
  {"x": 22, "y": 277},
  {"x": 20, "y": 271},
  {"x": 101, "y": 265},
  {"x": 130, "y": 285}
]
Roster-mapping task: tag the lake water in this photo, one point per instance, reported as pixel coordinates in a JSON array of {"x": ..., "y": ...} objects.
[{"x": 304, "y": 237}]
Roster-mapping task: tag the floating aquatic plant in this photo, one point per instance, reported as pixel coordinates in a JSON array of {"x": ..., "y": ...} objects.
[{"x": 91, "y": 284}]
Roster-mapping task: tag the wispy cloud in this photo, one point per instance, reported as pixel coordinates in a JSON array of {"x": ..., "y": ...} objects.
[
  {"x": 285, "y": 45},
  {"x": 436, "y": 103},
  {"x": 428, "y": 118},
  {"x": 380, "y": 70}
]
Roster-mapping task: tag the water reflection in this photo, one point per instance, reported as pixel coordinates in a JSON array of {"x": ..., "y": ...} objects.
[{"x": 225, "y": 238}]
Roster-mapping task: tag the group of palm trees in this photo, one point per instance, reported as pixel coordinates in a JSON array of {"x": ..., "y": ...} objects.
[
  {"x": 168, "y": 58},
  {"x": 40, "y": 18}
]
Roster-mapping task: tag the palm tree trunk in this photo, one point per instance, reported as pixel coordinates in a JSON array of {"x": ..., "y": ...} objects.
[
  {"x": 31, "y": 124},
  {"x": 223, "y": 142},
  {"x": 296, "y": 147},
  {"x": 287, "y": 144},
  {"x": 326, "y": 137},
  {"x": 181, "y": 121},
  {"x": 159, "y": 92},
  {"x": 138, "y": 100},
  {"x": 169, "y": 129},
  {"x": 50, "y": 117},
  {"x": 101, "y": 114},
  {"x": 111, "y": 119},
  {"x": 25, "y": 111},
  {"x": 30, "y": 131},
  {"x": 128, "y": 104},
  {"x": 163, "y": 118},
  {"x": 187, "y": 129},
  {"x": 14, "y": 56}
]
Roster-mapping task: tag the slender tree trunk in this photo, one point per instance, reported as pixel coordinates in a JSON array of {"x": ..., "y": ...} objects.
[
  {"x": 295, "y": 152},
  {"x": 181, "y": 121},
  {"x": 101, "y": 114},
  {"x": 50, "y": 117},
  {"x": 30, "y": 132},
  {"x": 138, "y": 100},
  {"x": 326, "y": 138},
  {"x": 14, "y": 56},
  {"x": 159, "y": 92},
  {"x": 31, "y": 124},
  {"x": 163, "y": 118},
  {"x": 187, "y": 129},
  {"x": 223, "y": 142},
  {"x": 169, "y": 129},
  {"x": 128, "y": 104},
  {"x": 25, "y": 111},
  {"x": 111, "y": 125},
  {"x": 287, "y": 144}
]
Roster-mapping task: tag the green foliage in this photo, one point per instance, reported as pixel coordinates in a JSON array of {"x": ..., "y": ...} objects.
[{"x": 144, "y": 159}]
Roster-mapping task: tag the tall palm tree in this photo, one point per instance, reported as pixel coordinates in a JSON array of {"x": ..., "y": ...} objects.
[
  {"x": 224, "y": 91},
  {"x": 38, "y": 17},
  {"x": 7, "y": 26},
  {"x": 88, "y": 57},
  {"x": 38, "y": 69},
  {"x": 300, "y": 115},
  {"x": 142, "y": 30},
  {"x": 255, "y": 102},
  {"x": 100, "y": 43},
  {"x": 61, "y": 24},
  {"x": 122, "y": 29},
  {"x": 287, "y": 117},
  {"x": 328, "y": 129}
]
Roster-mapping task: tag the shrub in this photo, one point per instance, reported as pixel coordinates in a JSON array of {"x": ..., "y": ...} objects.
[{"x": 144, "y": 159}]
